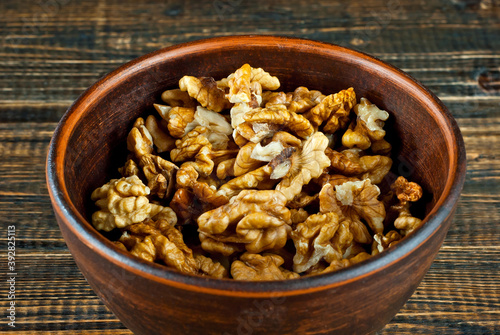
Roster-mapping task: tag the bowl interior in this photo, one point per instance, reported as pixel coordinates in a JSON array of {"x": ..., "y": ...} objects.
[{"x": 101, "y": 119}]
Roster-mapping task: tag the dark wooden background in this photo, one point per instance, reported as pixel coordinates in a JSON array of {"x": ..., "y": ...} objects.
[{"x": 52, "y": 50}]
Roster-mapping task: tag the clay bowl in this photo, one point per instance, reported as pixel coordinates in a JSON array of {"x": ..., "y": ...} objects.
[{"x": 151, "y": 299}]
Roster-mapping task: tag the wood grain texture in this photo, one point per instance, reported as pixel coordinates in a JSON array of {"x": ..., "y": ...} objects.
[{"x": 50, "y": 51}]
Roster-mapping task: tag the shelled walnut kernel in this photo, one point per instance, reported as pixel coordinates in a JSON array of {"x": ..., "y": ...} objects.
[{"x": 234, "y": 179}]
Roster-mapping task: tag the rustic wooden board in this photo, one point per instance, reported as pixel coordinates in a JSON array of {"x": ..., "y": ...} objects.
[{"x": 51, "y": 51}]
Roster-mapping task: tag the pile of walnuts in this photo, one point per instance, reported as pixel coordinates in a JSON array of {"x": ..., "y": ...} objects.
[{"x": 235, "y": 179}]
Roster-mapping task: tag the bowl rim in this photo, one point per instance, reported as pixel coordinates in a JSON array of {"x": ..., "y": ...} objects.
[{"x": 87, "y": 234}]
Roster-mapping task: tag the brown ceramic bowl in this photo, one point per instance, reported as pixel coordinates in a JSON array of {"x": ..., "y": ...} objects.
[{"x": 151, "y": 299}]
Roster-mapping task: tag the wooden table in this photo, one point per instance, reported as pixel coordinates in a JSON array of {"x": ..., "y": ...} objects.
[{"x": 51, "y": 50}]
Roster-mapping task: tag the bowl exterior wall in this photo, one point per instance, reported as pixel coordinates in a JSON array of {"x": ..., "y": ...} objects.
[{"x": 361, "y": 306}]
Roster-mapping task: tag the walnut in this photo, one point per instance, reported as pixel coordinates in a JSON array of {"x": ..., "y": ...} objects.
[
  {"x": 187, "y": 177},
  {"x": 368, "y": 126},
  {"x": 122, "y": 202},
  {"x": 215, "y": 122},
  {"x": 187, "y": 206},
  {"x": 172, "y": 250},
  {"x": 312, "y": 240},
  {"x": 372, "y": 118},
  {"x": 279, "y": 115},
  {"x": 286, "y": 139},
  {"x": 159, "y": 240},
  {"x": 189, "y": 145},
  {"x": 206, "y": 92},
  {"x": 270, "y": 98},
  {"x": 207, "y": 159},
  {"x": 244, "y": 162},
  {"x": 258, "y": 178},
  {"x": 258, "y": 219},
  {"x": 303, "y": 99},
  {"x": 267, "y": 81},
  {"x": 298, "y": 216},
  {"x": 224, "y": 248},
  {"x": 129, "y": 169},
  {"x": 355, "y": 136},
  {"x": 145, "y": 249},
  {"x": 163, "y": 111},
  {"x": 349, "y": 163},
  {"x": 307, "y": 164},
  {"x": 239, "y": 139},
  {"x": 405, "y": 222},
  {"x": 207, "y": 267},
  {"x": 359, "y": 201},
  {"x": 239, "y": 85},
  {"x": 161, "y": 138},
  {"x": 302, "y": 200},
  {"x": 255, "y": 267},
  {"x": 181, "y": 121},
  {"x": 266, "y": 153},
  {"x": 334, "y": 110},
  {"x": 344, "y": 263},
  {"x": 256, "y": 132},
  {"x": 225, "y": 168},
  {"x": 381, "y": 242},
  {"x": 139, "y": 140},
  {"x": 178, "y": 98},
  {"x": 160, "y": 174},
  {"x": 381, "y": 147},
  {"x": 406, "y": 191}
]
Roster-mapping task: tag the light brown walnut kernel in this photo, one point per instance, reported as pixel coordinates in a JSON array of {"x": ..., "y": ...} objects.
[
  {"x": 344, "y": 263},
  {"x": 406, "y": 191},
  {"x": 178, "y": 98},
  {"x": 308, "y": 164},
  {"x": 257, "y": 219},
  {"x": 121, "y": 202},
  {"x": 298, "y": 216},
  {"x": 188, "y": 146},
  {"x": 187, "y": 177},
  {"x": 349, "y": 163},
  {"x": 244, "y": 162},
  {"x": 382, "y": 242},
  {"x": 368, "y": 126},
  {"x": 181, "y": 121},
  {"x": 145, "y": 249},
  {"x": 256, "y": 179},
  {"x": 210, "y": 268},
  {"x": 254, "y": 267},
  {"x": 139, "y": 140},
  {"x": 216, "y": 247},
  {"x": 279, "y": 115},
  {"x": 225, "y": 169},
  {"x": 303, "y": 99},
  {"x": 312, "y": 240},
  {"x": 239, "y": 85},
  {"x": 270, "y": 98},
  {"x": 206, "y": 92},
  {"x": 405, "y": 222},
  {"x": 129, "y": 169},
  {"x": 361, "y": 197},
  {"x": 302, "y": 200},
  {"x": 160, "y": 174},
  {"x": 161, "y": 138},
  {"x": 334, "y": 110}
]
